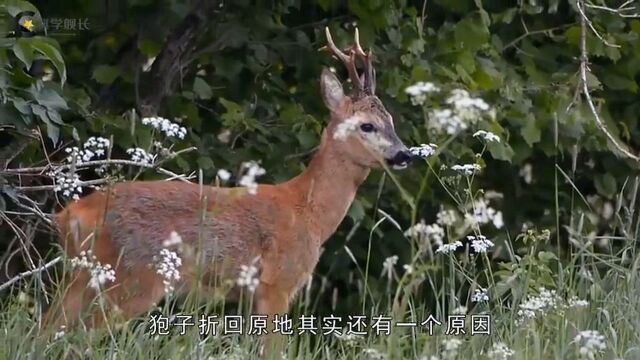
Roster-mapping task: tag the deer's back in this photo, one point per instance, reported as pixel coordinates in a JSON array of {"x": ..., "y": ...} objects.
[{"x": 136, "y": 219}]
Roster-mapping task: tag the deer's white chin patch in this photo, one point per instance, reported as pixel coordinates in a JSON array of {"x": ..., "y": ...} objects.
[{"x": 399, "y": 166}]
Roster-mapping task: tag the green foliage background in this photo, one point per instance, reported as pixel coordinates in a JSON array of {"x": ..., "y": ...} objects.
[{"x": 254, "y": 72}]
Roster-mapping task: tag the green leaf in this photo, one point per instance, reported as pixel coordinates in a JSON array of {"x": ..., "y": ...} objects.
[
  {"x": 49, "y": 98},
  {"x": 471, "y": 33},
  {"x": 106, "y": 74},
  {"x": 149, "y": 47},
  {"x": 530, "y": 132},
  {"x": 23, "y": 51},
  {"x": 205, "y": 163},
  {"x": 47, "y": 47},
  {"x": 306, "y": 138},
  {"x": 356, "y": 211},
  {"x": 606, "y": 184},
  {"x": 202, "y": 89}
]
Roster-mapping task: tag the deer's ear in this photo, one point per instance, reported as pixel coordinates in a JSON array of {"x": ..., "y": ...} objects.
[{"x": 332, "y": 92}]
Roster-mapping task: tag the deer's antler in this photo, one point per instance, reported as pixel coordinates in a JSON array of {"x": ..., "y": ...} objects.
[{"x": 366, "y": 83}]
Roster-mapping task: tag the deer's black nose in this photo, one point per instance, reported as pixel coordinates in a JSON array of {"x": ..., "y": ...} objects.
[{"x": 402, "y": 157}]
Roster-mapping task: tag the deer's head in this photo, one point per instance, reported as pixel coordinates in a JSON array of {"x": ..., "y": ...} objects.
[{"x": 360, "y": 125}]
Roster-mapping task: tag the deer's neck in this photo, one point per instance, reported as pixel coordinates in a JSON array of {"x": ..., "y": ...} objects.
[{"x": 326, "y": 189}]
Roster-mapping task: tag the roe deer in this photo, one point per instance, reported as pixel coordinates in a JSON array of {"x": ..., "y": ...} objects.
[{"x": 280, "y": 228}]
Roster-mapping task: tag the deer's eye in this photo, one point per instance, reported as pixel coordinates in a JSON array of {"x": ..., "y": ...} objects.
[{"x": 367, "y": 127}]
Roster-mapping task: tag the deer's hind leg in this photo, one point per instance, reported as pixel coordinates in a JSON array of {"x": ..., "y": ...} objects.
[
  {"x": 68, "y": 311},
  {"x": 132, "y": 293}
]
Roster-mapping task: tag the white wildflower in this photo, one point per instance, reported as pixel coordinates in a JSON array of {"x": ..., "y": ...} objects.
[
  {"x": 591, "y": 343},
  {"x": 431, "y": 233},
  {"x": 500, "y": 351},
  {"x": 424, "y": 150},
  {"x": 67, "y": 183},
  {"x": 607, "y": 210},
  {"x": 224, "y": 175},
  {"x": 488, "y": 136},
  {"x": 545, "y": 301},
  {"x": 446, "y": 217},
  {"x": 97, "y": 146},
  {"x": 527, "y": 173},
  {"x": 349, "y": 338},
  {"x": 408, "y": 268},
  {"x": 480, "y": 295},
  {"x": 373, "y": 354},
  {"x": 461, "y": 100},
  {"x": 165, "y": 126},
  {"x": 575, "y": 302},
  {"x": 466, "y": 169},
  {"x": 480, "y": 243},
  {"x": 168, "y": 267},
  {"x": 446, "y": 121},
  {"x": 448, "y": 248},
  {"x": 248, "y": 277},
  {"x": 346, "y": 127},
  {"x": 251, "y": 171},
  {"x": 419, "y": 90},
  {"x": 60, "y": 333},
  {"x": 497, "y": 220},
  {"x": 173, "y": 239},
  {"x": 388, "y": 264},
  {"x": 141, "y": 156},
  {"x": 482, "y": 214},
  {"x": 100, "y": 274},
  {"x": 451, "y": 346}
]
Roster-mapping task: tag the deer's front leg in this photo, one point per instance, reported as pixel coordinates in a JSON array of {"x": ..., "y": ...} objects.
[{"x": 271, "y": 300}]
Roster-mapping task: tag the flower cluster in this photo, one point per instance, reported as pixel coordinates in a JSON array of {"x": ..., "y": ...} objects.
[
  {"x": 248, "y": 277},
  {"x": 480, "y": 243},
  {"x": 388, "y": 264},
  {"x": 167, "y": 266},
  {"x": 446, "y": 217},
  {"x": 480, "y": 295},
  {"x": 451, "y": 346},
  {"x": 60, "y": 333},
  {"x": 463, "y": 111},
  {"x": 100, "y": 274},
  {"x": 449, "y": 248},
  {"x": 535, "y": 305},
  {"x": 418, "y": 91},
  {"x": 482, "y": 213},
  {"x": 544, "y": 302},
  {"x": 251, "y": 171},
  {"x": 430, "y": 233},
  {"x": 224, "y": 175},
  {"x": 424, "y": 150},
  {"x": 466, "y": 169},
  {"x": 92, "y": 148},
  {"x": 500, "y": 351},
  {"x": 591, "y": 343},
  {"x": 167, "y": 127},
  {"x": 487, "y": 136},
  {"x": 68, "y": 183},
  {"x": 141, "y": 156}
]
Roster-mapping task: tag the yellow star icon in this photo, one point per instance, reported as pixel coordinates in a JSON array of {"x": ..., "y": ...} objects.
[{"x": 28, "y": 24}]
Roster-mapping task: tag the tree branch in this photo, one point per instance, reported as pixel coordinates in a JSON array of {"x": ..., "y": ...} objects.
[
  {"x": 584, "y": 69},
  {"x": 23, "y": 275},
  {"x": 166, "y": 70}
]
